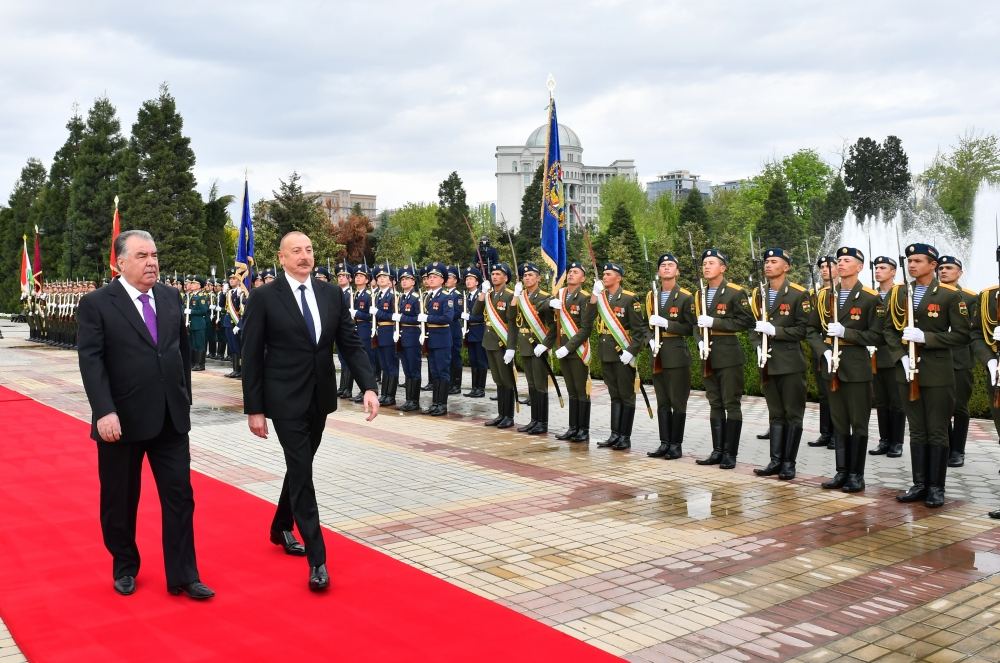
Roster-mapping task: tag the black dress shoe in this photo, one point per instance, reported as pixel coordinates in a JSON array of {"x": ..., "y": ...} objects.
[
  {"x": 319, "y": 579},
  {"x": 288, "y": 542},
  {"x": 195, "y": 590},
  {"x": 994, "y": 514},
  {"x": 125, "y": 585}
]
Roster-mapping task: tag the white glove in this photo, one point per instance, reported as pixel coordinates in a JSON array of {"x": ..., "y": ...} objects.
[
  {"x": 540, "y": 350},
  {"x": 396, "y": 317},
  {"x": 828, "y": 355},
  {"x": 354, "y": 312},
  {"x": 236, "y": 329},
  {"x": 652, "y": 345},
  {"x": 835, "y": 329},
  {"x": 508, "y": 356},
  {"x": 764, "y": 327},
  {"x": 658, "y": 321},
  {"x": 598, "y": 286},
  {"x": 914, "y": 334},
  {"x": 518, "y": 289},
  {"x": 486, "y": 287},
  {"x": 706, "y": 321},
  {"x": 871, "y": 350},
  {"x": 466, "y": 316},
  {"x": 627, "y": 357},
  {"x": 561, "y": 352},
  {"x": 702, "y": 350},
  {"x": 187, "y": 311},
  {"x": 906, "y": 366},
  {"x": 760, "y": 357},
  {"x": 556, "y": 304},
  {"x": 991, "y": 365},
  {"x": 422, "y": 317},
  {"x": 996, "y": 333}
]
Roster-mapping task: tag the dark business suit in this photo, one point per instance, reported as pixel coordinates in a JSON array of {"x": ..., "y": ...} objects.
[
  {"x": 148, "y": 385},
  {"x": 289, "y": 377}
]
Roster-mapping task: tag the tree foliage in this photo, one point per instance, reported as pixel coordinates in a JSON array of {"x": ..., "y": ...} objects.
[
  {"x": 218, "y": 242},
  {"x": 878, "y": 176},
  {"x": 452, "y": 215},
  {"x": 406, "y": 233},
  {"x": 954, "y": 178},
  {"x": 53, "y": 204},
  {"x": 529, "y": 233},
  {"x": 353, "y": 233},
  {"x": 778, "y": 227},
  {"x": 15, "y": 222}
]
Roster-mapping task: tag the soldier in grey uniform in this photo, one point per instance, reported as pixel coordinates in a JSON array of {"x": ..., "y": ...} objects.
[{"x": 575, "y": 316}]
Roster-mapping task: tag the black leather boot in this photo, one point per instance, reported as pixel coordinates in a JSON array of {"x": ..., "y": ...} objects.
[
  {"x": 574, "y": 408},
  {"x": 663, "y": 425},
  {"x": 777, "y": 439},
  {"x": 898, "y": 425},
  {"x": 434, "y": 399},
  {"x": 766, "y": 435},
  {"x": 500, "y": 408},
  {"x": 542, "y": 427},
  {"x": 481, "y": 384},
  {"x": 345, "y": 383},
  {"x": 236, "y": 372},
  {"x": 856, "y": 470},
  {"x": 533, "y": 402},
  {"x": 412, "y": 396},
  {"x": 443, "y": 390},
  {"x": 884, "y": 432},
  {"x": 826, "y": 436},
  {"x": 716, "y": 426},
  {"x": 381, "y": 392},
  {"x": 582, "y": 422},
  {"x": 507, "y": 401},
  {"x": 731, "y": 446},
  {"x": 625, "y": 428},
  {"x": 390, "y": 391},
  {"x": 455, "y": 387},
  {"x": 937, "y": 470},
  {"x": 840, "y": 458},
  {"x": 793, "y": 436},
  {"x": 958, "y": 433},
  {"x": 918, "y": 461},
  {"x": 677, "y": 423},
  {"x": 616, "y": 417}
]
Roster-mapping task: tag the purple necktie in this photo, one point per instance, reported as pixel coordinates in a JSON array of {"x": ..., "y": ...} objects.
[{"x": 149, "y": 316}]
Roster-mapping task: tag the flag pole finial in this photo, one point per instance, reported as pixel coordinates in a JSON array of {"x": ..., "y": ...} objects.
[
  {"x": 116, "y": 201},
  {"x": 550, "y": 83}
]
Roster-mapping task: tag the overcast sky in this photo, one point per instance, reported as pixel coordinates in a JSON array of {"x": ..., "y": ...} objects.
[{"x": 387, "y": 98}]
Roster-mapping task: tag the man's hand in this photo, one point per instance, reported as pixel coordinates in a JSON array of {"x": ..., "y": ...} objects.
[
  {"x": 659, "y": 321},
  {"x": 765, "y": 327},
  {"x": 835, "y": 329},
  {"x": 371, "y": 404},
  {"x": 598, "y": 287},
  {"x": 702, "y": 350},
  {"x": 187, "y": 311},
  {"x": 518, "y": 289},
  {"x": 561, "y": 352},
  {"x": 905, "y": 360},
  {"x": 555, "y": 303},
  {"x": 627, "y": 357},
  {"x": 540, "y": 350},
  {"x": 486, "y": 288},
  {"x": 396, "y": 317},
  {"x": 652, "y": 345},
  {"x": 828, "y": 355},
  {"x": 466, "y": 316},
  {"x": 109, "y": 428},
  {"x": 421, "y": 317},
  {"x": 236, "y": 329},
  {"x": 914, "y": 335},
  {"x": 706, "y": 321},
  {"x": 991, "y": 365},
  {"x": 508, "y": 356},
  {"x": 258, "y": 425},
  {"x": 996, "y": 334}
]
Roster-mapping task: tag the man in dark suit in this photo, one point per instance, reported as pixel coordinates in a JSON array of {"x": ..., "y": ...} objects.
[
  {"x": 289, "y": 328},
  {"x": 135, "y": 361}
]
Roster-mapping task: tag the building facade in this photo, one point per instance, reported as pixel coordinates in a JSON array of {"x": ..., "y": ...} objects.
[
  {"x": 677, "y": 183},
  {"x": 338, "y": 204},
  {"x": 516, "y": 166}
]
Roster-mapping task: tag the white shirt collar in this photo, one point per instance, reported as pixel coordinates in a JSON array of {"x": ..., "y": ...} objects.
[
  {"x": 133, "y": 292},
  {"x": 294, "y": 283}
]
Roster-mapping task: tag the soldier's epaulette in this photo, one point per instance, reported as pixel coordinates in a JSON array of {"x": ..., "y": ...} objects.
[
  {"x": 948, "y": 286},
  {"x": 628, "y": 292},
  {"x": 992, "y": 287},
  {"x": 508, "y": 290},
  {"x": 735, "y": 287},
  {"x": 685, "y": 291},
  {"x": 870, "y": 291},
  {"x": 543, "y": 293},
  {"x": 584, "y": 293},
  {"x": 971, "y": 293},
  {"x": 796, "y": 286}
]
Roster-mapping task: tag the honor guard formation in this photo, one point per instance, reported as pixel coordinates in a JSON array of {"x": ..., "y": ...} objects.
[{"x": 909, "y": 349}]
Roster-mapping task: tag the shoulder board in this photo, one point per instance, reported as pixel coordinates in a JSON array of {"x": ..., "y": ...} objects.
[
  {"x": 685, "y": 291},
  {"x": 542, "y": 293},
  {"x": 584, "y": 293},
  {"x": 948, "y": 286},
  {"x": 628, "y": 292},
  {"x": 508, "y": 290},
  {"x": 870, "y": 291},
  {"x": 796, "y": 286},
  {"x": 734, "y": 286},
  {"x": 991, "y": 288},
  {"x": 971, "y": 293}
]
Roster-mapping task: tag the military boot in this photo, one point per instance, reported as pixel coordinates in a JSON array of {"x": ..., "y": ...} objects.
[
  {"x": 958, "y": 433},
  {"x": 677, "y": 422},
  {"x": 840, "y": 459},
  {"x": 625, "y": 428},
  {"x": 716, "y": 426},
  {"x": 574, "y": 409},
  {"x": 918, "y": 462},
  {"x": 776, "y": 437},
  {"x": 663, "y": 426},
  {"x": 583, "y": 422},
  {"x": 616, "y": 417},
  {"x": 884, "y": 432},
  {"x": 937, "y": 470},
  {"x": 856, "y": 469},
  {"x": 731, "y": 447},
  {"x": 793, "y": 436}
]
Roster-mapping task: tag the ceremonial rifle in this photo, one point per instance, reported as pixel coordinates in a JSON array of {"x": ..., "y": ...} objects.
[
  {"x": 757, "y": 259},
  {"x": 655, "y": 292},
  {"x": 996, "y": 376},
  {"x": 513, "y": 362},
  {"x": 834, "y": 299},
  {"x": 911, "y": 373},
  {"x": 706, "y": 366}
]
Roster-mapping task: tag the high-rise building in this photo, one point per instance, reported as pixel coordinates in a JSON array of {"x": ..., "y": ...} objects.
[{"x": 678, "y": 183}]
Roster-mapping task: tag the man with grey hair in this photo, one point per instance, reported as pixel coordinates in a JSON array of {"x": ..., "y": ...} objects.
[{"x": 135, "y": 362}]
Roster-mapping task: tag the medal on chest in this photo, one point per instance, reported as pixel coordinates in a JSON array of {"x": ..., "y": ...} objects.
[
  {"x": 855, "y": 313},
  {"x": 784, "y": 309},
  {"x": 933, "y": 310}
]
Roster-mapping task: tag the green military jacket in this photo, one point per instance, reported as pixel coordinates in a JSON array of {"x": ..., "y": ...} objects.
[
  {"x": 731, "y": 309},
  {"x": 521, "y": 337},
  {"x": 986, "y": 321},
  {"x": 628, "y": 310},
  {"x": 862, "y": 316},
  {"x": 503, "y": 303},
  {"x": 962, "y": 354},
  {"x": 944, "y": 318},
  {"x": 576, "y": 304},
  {"x": 681, "y": 323},
  {"x": 199, "y": 304},
  {"x": 883, "y": 357},
  {"x": 790, "y": 316}
]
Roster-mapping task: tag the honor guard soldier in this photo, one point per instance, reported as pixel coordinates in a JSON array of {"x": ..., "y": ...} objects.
[
  {"x": 532, "y": 335},
  {"x": 197, "y": 303},
  {"x": 407, "y": 317},
  {"x": 923, "y": 343},
  {"x": 575, "y": 320},
  {"x": 847, "y": 320},
  {"x": 344, "y": 278},
  {"x": 474, "y": 329},
  {"x": 671, "y": 314},
  {"x": 222, "y": 349},
  {"x": 235, "y": 300},
  {"x": 888, "y": 406},
  {"x": 212, "y": 333},
  {"x": 322, "y": 273},
  {"x": 457, "y": 327},
  {"x": 986, "y": 344},
  {"x": 268, "y": 275},
  {"x": 622, "y": 333},
  {"x": 949, "y": 272},
  {"x": 387, "y": 332},
  {"x": 361, "y": 312},
  {"x": 724, "y": 311},
  {"x": 827, "y": 267},
  {"x": 436, "y": 316},
  {"x": 782, "y": 309},
  {"x": 496, "y": 305}
]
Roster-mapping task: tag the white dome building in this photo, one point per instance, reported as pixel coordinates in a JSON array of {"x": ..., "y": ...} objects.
[{"x": 516, "y": 165}]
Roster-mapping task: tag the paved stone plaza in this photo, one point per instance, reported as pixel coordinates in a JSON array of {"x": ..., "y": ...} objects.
[{"x": 649, "y": 559}]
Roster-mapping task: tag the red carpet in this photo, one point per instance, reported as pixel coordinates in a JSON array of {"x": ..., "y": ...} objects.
[{"x": 57, "y": 600}]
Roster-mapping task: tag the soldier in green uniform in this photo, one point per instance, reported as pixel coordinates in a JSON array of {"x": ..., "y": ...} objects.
[
  {"x": 782, "y": 322},
  {"x": 939, "y": 324},
  {"x": 496, "y": 305},
  {"x": 196, "y": 311},
  {"x": 533, "y": 335},
  {"x": 888, "y": 407},
  {"x": 622, "y": 333},
  {"x": 671, "y": 315},
  {"x": 847, "y": 320},
  {"x": 827, "y": 266},
  {"x": 949, "y": 272},
  {"x": 724, "y": 312},
  {"x": 575, "y": 316},
  {"x": 986, "y": 345}
]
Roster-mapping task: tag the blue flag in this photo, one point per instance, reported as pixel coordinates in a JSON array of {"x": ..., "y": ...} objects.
[
  {"x": 553, "y": 205},
  {"x": 244, "y": 243}
]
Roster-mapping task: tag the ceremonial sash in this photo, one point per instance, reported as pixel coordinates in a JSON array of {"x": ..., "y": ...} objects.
[
  {"x": 566, "y": 320},
  {"x": 231, "y": 310},
  {"x": 531, "y": 315},
  {"x": 494, "y": 318},
  {"x": 613, "y": 324}
]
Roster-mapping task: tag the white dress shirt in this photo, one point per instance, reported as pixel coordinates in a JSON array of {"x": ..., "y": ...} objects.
[
  {"x": 310, "y": 300},
  {"x": 134, "y": 293}
]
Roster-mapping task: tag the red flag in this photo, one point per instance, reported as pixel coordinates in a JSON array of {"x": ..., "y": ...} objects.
[
  {"x": 116, "y": 228},
  {"x": 37, "y": 264},
  {"x": 25, "y": 269}
]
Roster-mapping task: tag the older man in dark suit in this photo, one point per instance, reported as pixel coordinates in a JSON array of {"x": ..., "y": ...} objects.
[
  {"x": 289, "y": 329},
  {"x": 136, "y": 367}
]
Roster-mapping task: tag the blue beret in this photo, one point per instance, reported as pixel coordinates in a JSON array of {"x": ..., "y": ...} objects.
[
  {"x": 613, "y": 267},
  {"x": 920, "y": 249},
  {"x": 850, "y": 252},
  {"x": 502, "y": 267},
  {"x": 576, "y": 265},
  {"x": 825, "y": 260},
  {"x": 528, "y": 267},
  {"x": 667, "y": 257},
  {"x": 885, "y": 260},
  {"x": 950, "y": 260},
  {"x": 715, "y": 253},
  {"x": 777, "y": 252}
]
